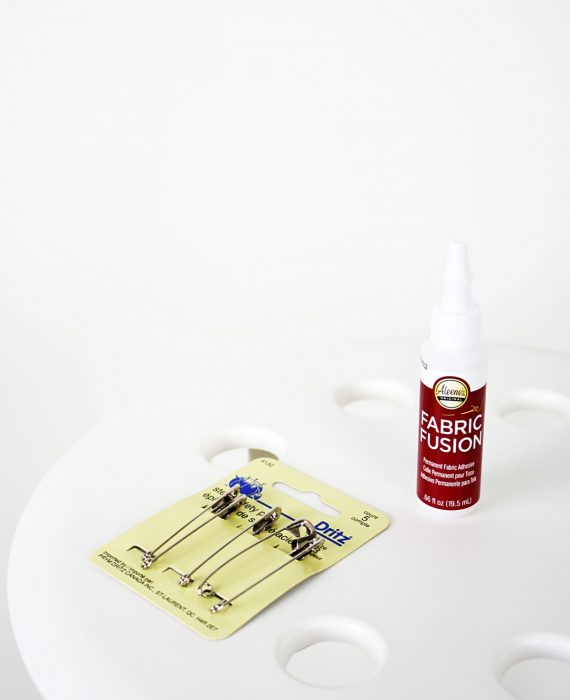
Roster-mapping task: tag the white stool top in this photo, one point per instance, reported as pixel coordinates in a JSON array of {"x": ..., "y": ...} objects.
[{"x": 452, "y": 601}]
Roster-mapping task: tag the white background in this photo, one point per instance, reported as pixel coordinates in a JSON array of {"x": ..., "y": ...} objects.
[{"x": 182, "y": 175}]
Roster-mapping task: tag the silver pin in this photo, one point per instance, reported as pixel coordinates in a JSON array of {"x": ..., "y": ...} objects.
[
  {"x": 261, "y": 524},
  {"x": 301, "y": 545},
  {"x": 223, "y": 506}
]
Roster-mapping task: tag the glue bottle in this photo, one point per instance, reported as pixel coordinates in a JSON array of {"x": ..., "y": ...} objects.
[{"x": 452, "y": 395}]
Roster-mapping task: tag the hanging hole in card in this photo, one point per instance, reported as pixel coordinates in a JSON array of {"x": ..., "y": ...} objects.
[{"x": 311, "y": 498}]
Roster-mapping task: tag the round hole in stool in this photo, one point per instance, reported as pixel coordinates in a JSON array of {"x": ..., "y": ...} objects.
[
  {"x": 536, "y": 667},
  {"x": 536, "y": 409},
  {"x": 237, "y": 445},
  {"x": 332, "y": 651},
  {"x": 374, "y": 398}
]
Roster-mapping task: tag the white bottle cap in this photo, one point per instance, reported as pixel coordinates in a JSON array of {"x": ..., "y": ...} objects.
[{"x": 456, "y": 319}]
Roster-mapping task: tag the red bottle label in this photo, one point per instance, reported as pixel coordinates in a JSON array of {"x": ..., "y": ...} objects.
[{"x": 450, "y": 443}]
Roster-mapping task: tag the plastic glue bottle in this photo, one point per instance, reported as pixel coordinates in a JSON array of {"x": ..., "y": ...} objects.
[{"x": 452, "y": 395}]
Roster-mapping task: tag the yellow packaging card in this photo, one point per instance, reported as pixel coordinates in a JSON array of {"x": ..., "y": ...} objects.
[{"x": 264, "y": 484}]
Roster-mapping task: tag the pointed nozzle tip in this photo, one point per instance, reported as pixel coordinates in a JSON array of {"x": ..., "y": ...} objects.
[
  {"x": 457, "y": 265},
  {"x": 456, "y": 318}
]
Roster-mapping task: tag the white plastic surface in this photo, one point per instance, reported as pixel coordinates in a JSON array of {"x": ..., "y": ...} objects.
[{"x": 443, "y": 607}]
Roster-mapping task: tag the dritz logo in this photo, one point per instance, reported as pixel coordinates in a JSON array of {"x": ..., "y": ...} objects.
[{"x": 331, "y": 533}]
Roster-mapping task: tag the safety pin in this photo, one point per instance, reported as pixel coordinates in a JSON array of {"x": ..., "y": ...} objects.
[
  {"x": 261, "y": 524},
  {"x": 301, "y": 545},
  {"x": 223, "y": 506}
]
